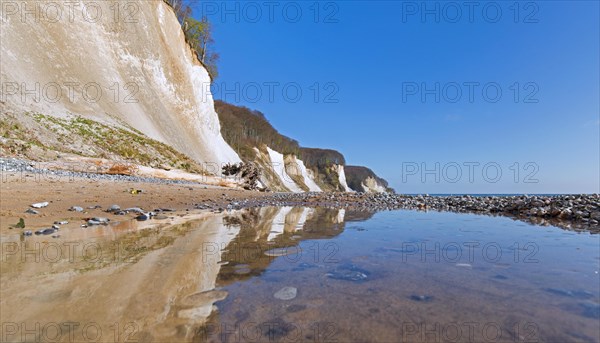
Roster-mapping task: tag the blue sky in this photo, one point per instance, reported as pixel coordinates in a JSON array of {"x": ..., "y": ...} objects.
[{"x": 372, "y": 62}]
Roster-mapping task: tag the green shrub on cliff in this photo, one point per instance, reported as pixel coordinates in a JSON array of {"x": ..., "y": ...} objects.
[{"x": 198, "y": 34}]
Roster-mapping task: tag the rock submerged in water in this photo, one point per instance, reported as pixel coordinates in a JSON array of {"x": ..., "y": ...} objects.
[
  {"x": 578, "y": 294},
  {"x": 421, "y": 298},
  {"x": 242, "y": 269},
  {"x": 464, "y": 265},
  {"x": 286, "y": 293},
  {"x": 348, "y": 272},
  {"x": 203, "y": 298},
  {"x": 590, "y": 310}
]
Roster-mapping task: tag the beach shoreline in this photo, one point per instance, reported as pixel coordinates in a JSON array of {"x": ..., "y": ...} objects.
[{"x": 95, "y": 196}]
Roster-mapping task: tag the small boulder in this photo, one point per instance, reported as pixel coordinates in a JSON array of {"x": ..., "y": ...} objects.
[{"x": 286, "y": 293}]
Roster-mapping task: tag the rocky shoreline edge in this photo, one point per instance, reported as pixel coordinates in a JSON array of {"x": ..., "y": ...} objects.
[
  {"x": 577, "y": 211},
  {"x": 580, "y": 212}
]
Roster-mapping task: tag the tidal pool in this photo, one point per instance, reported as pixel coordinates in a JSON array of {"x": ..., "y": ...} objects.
[{"x": 295, "y": 274}]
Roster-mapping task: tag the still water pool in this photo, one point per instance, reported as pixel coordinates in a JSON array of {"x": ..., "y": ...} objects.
[{"x": 305, "y": 275}]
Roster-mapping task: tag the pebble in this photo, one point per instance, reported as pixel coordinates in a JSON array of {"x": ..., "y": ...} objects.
[
  {"x": 421, "y": 298},
  {"x": 63, "y": 222},
  {"x": 45, "y": 232},
  {"x": 579, "y": 294},
  {"x": 27, "y": 233},
  {"x": 286, "y": 293},
  {"x": 134, "y": 209},
  {"x": 114, "y": 208},
  {"x": 31, "y": 211},
  {"x": 242, "y": 270},
  {"x": 142, "y": 217},
  {"x": 76, "y": 209},
  {"x": 40, "y": 204}
]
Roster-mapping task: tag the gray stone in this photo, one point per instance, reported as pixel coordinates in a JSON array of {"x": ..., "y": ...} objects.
[
  {"x": 286, "y": 293},
  {"x": 114, "y": 208},
  {"x": 134, "y": 209}
]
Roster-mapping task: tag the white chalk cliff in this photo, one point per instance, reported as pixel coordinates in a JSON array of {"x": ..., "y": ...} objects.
[
  {"x": 342, "y": 178},
  {"x": 130, "y": 68},
  {"x": 370, "y": 185},
  {"x": 278, "y": 166}
]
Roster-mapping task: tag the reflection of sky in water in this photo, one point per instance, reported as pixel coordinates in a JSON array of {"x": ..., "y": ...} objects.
[{"x": 411, "y": 276}]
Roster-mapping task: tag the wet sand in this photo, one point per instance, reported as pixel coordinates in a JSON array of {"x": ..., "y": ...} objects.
[{"x": 18, "y": 193}]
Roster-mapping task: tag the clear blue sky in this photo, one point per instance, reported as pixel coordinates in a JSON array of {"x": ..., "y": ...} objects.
[{"x": 376, "y": 53}]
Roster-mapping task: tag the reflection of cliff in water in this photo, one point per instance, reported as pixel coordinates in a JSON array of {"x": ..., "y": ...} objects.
[
  {"x": 159, "y": 284},
  {"x": 154, "y": 283},
  {"x": 265, "y": 233}
]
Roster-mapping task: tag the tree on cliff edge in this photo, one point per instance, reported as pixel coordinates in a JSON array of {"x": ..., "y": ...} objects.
[{"x": 198, "y": 33}]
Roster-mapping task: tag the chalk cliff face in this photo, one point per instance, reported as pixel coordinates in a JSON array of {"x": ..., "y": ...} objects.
[
  {"x": 129, "y": 68},
  {"x": 363, "y": 179},
  {"x": 342, "y": 178},
  {"x": 285, "y": 165}
]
